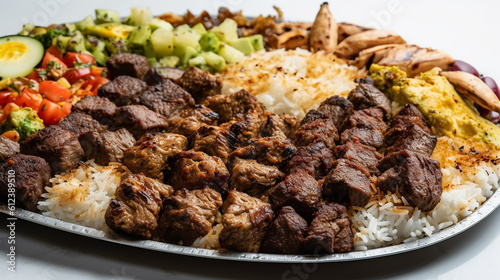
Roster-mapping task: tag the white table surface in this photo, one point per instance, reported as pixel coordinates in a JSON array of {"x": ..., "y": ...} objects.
[{"x": 468, "y": 30}]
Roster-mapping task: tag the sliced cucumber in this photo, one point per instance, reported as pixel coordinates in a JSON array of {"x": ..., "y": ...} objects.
[
  {"x": 19, "y": 55},
  {"x": 163, "y": 42}
]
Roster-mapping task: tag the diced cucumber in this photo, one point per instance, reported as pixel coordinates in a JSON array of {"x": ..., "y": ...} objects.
[
  {"x": 182, "y": 27},
  {"x": 93, "y": 43},
  {"x": 227, "y": 31},
  {"x": 169, "y": 61},
  {"x": 77, "y": 42},
  {"x": 159, "y": 23},
  {"x": 19, "y": 55},
  {"x": 215, "y": 61},
  {"x": 139, "y": 36},
  {"x": 116, "y": 45},
  {"x": 197, "y": 61},
  {"x": 149, "y": 51},
  {"x": 84, "y": 23},
  {"x": 27, "y": 28},
  {"x": 107, "y": 16},
  {"x": 163, "y": 42},
  {"x": 71, "y": 27},
  {"x": 257, "y": 42},
  {"x": 230, "y": 54},
  {"x": 153, "y": 62},
  {"x": 140, "y": 16},
  {"x": 61, "y": 42},
  {"x": 244, "y": 45},
  {"x": 100, "y": 57},
  {"x": 199, "y": 28},
  {"x": 186, "y": 38},
  {"x": 185, "y": 53},
  {"x": 209, "y": 42}
]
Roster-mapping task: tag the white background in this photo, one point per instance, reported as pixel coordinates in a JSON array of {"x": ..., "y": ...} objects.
[{"x": 468, "y": 30}]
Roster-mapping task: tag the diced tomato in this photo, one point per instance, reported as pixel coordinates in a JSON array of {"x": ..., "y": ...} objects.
[
  {"x": 52, "y": 62},
  {"x": 54, "y": 91},
  {"x": 29, "y": 98},
  {"x": 93, "y": 83},
  {"x": 99, "y": 71},
  {"x": 76, "y": 74},
  {"x": 56, "y": 52},
  {"x": 36, "y": 76},
  {"x": 5, "y": 97},
  {"x": 72, "y": 57},
  {"x": 51, "y": 113}
]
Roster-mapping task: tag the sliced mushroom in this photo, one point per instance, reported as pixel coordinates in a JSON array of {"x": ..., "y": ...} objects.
[
  {"x": 324, "y": 31},
  {"x": 473, "y": 88},
  {"x": 354, "y": 44},
  {"x": 293, "y": 39},
  {"x": 346, "y": 29},
  {"x": 375, "y": 54},
  {"x": 409, "y": 58},
  {"x": 283, "y": 27}
]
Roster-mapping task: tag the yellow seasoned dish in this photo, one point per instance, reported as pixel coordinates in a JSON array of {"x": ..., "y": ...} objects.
[{"x": 445, "y": 110}]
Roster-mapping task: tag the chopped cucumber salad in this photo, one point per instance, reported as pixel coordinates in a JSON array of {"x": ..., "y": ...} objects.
[{"x": 141, "y": 33}]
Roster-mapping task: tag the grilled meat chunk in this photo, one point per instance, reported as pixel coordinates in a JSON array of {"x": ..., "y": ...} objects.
[
  {"x": 372, "y": 118},
  {"x": 106, "y": 147},
  {"x": 80, "y": 123},
  {"x": 366, "y": 136},
  {"x": 360, "y": 154},
  {"x": 127, "y": 64},
  {"x": 338, "y": 109},
  {"x": 273, "y": 125},
  {"x": 330, "y": 231},
  {"x": 366, "y": 95},
  {"x": 57, "y": 146},
  {"x": 234, "y": 105},
  {"x": 197, "y": 170},
  {"x": 123, "y": 90},
  {"x": 151, "y": 153},
  {"x": 32, "y": 175},
  {"x": 348, "y": 182},
  {"x": 215, "y": 141},
  {"x": 136, "y": 206},
  {"x": 319, "y": 130},
  {"x": 200, "y": 84},
  {"x": 299, "y": 190},
  {"x": 201, "y": 113},
  {"x": 267, "y": 150},
  {"x": 414, "y": 138},
  {"x": 99, "y": 108},
  {"x": 157, "y": 75},
  {"x": 139, "y": 120},
  {"x": 166, "y": 98},
  {"x": 407, "y": 116},
  {"x": 188, "y": 126},
  {"x": 286, "y": 234},
  {"x": 254, "y": 178},
  {"x": 188, "y": 215},
  {"x": 246, "y": 127},
  {"x": 245, "y": 220},
  {"x": 8, "y": 148},
  {"x": 415, "y": 176},
  {"x": 316, "y": 159}
]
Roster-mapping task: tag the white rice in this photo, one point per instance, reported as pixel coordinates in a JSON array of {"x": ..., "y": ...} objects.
[
  {"x": 468, "y": 181},
  {"x": 291, "y": 82},
  {"x": 83, "y": 195}
]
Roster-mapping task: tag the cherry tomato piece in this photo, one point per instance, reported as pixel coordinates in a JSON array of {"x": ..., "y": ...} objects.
[
  {"x": 51, "y": 113},
  {"x": 12, "y": 135},
  {"x": 5, "y": 97},
  {"x": 29, "y": 98},
  {"x": 72, "y": 57},
  {"x": 52, "y": 62},
  {"x": 76, "y": 74},
  {"x": 54, "y": 91},
  {"x": 55, "y": 52}
]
